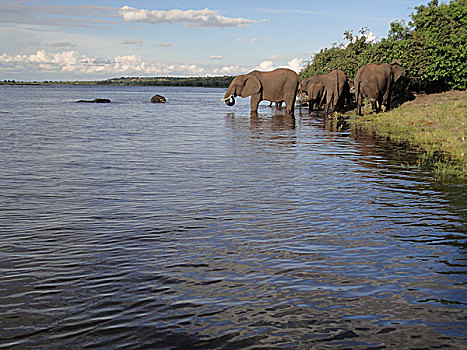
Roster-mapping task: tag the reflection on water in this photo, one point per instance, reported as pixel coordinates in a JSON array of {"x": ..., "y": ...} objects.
[{"x": 134, "y": 225}]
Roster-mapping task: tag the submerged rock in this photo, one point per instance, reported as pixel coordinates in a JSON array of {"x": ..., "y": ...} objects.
[
  {"x": 158, "y": 99},
  {"x": 96, "y": 100}
]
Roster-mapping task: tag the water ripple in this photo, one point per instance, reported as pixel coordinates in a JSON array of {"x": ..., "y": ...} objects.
[{"x": 135, "y": 225}]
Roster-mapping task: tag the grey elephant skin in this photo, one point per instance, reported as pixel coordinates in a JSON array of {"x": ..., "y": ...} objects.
[
  {"x": 336, "y": 89},
  {"x": 278, "y": 85},
  {"x": 375, "y": 81},
  {"x": 314, "y": 88},
  {"x": 330, "y": 89},
  {"x": 315, "y": 93}
]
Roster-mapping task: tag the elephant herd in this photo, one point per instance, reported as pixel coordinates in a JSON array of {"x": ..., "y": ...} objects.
[{"x": 333, "y": 90}]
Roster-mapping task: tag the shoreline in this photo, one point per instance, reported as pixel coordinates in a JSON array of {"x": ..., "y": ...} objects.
[
  {"x": 209, "y": 81},
  {"x": 434, "y": 125}
]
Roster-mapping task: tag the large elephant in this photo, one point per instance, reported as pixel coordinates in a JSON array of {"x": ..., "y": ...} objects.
[
  {"x": 336, "y": 89},
  {"x": 278, "y": 85},
  {"x": 375, "y": 81},
  {"x": 308, "y": 87},
  {"x": 315, "y": 93}
]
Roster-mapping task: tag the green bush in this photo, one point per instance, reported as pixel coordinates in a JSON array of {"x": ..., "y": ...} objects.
[{"x": 432, "y": 48}]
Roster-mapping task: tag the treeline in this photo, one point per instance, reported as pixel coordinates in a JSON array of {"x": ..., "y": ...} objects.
[
  {"x": 432, "y": 47},
  {"x": 217, "y": 81}
]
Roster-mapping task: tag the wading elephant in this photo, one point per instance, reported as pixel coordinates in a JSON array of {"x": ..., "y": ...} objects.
[
  {"x": 315, "y": 93},
  {"x": 336, "y": 89},
  {"x": 278, "y": 85},
  {"x": 307, "y": 87},
  {"x": 375, "y": 81}
]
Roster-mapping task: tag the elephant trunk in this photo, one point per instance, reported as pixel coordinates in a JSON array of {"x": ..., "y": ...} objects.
[
  {"x": 229, "y": 98},
  {"x": 230, "y": 101}
]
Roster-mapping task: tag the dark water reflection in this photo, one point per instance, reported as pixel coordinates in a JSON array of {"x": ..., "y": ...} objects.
[{"x": 135, "y": 225}]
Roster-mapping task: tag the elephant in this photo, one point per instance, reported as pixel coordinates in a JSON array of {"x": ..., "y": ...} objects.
[
  {"x": 158, "y": 99},
  {"x": 313, "y": 80},
  {"x": 315, "y": 93},
  {"x": 278, "y": 85},
  {"x": 307, "y": 83},
  {"x": 96, "y": 100},
  {"x": 375, "y": 81},
  {"x": 336, "y": 88}
]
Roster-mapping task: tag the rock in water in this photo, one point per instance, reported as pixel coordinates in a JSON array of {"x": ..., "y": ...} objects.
[
  {"x": 158, "y": 99},
  {"x": 96, "y": 100}
]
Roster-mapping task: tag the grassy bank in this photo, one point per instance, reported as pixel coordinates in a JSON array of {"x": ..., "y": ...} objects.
[{"x": 435, "y": 125}]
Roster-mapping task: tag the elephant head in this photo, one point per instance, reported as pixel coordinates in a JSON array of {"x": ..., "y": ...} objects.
[
  {"x": 243, "y": 86},
  {"x": 397, "y": 69}
]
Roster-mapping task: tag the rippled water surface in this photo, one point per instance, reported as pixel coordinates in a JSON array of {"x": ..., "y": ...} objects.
[{"x": 190, "y": 224}]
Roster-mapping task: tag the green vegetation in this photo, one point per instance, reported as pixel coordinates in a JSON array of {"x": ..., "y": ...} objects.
[
  {"x": 432, "y": 48},
  {"x": 435, "y": 125},
  {"x": 218, "y": 81}
]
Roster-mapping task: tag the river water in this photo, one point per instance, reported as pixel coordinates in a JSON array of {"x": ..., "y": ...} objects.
[{"x": 191, "y": 224}]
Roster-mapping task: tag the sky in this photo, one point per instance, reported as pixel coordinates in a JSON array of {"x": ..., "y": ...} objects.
[{"x": 91, "y": 40}]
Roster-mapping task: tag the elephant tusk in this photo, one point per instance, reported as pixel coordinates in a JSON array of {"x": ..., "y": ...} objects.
[{"x": 227, "y": 98}]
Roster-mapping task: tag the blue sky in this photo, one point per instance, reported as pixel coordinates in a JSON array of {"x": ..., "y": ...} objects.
[{"x": 85, "y": 40}]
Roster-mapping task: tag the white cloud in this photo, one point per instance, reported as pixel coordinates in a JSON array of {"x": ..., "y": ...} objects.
[
  {"x": 132, "y": 42},
  {"x": 266, "y": 65},
  {"x": 269, "y": 64},
  {"x": 74, "y": 63},
  {"x": 194, "y": 18},
  {"x": 295, "y": 64},
  {"x": 255, "y": 40},
  {"x": 231, "y": 70},
  {"x": 167, "y": 44}
]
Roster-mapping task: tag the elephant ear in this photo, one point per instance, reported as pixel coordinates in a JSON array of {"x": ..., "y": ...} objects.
[
  {"x": 252, "y": 86},
  {"x": 397, "y": 69}
]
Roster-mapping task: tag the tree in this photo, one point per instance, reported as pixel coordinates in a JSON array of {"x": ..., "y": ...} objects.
[{"x": 432, "y": 48}]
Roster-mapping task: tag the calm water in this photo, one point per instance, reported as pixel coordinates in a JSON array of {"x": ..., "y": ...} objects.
[{"x": 140, "y": 225}]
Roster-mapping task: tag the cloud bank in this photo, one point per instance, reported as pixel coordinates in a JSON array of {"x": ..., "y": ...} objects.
[
  {"x": 193, "y": 18},
  {"x": 74, "y": 63},
  {"x": 71, "y": 64}
]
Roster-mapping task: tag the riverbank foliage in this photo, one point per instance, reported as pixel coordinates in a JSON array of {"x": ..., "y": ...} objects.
[
  {"x": 432, "y": 47},
  {"x": 435, "y": 125},
  {"x": 216, "y": 81}
]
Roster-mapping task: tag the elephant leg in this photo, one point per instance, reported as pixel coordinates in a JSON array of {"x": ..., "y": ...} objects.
[
  {"x": 335, "y": 102},
  {"x": 254, "y": 102},
  {"x": 373, "y": 105},
  {"x": 359, "y": 104},
  {"x": 330, "y": 103},
  {"x": 290, "y": 104},
  {"x": 387, "y": 100},
  {"x": 379, "y": 104}
]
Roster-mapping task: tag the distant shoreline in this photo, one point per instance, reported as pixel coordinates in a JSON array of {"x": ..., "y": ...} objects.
[{"x": 216, "y": 81}]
